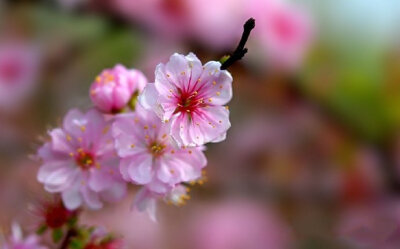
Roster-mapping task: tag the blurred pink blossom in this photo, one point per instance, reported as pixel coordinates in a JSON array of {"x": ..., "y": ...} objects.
[
  {"x": 284, "y": 29},
  {"x": 238, "y": 224},
  {"x": 19, "y": 63},
  {"x": 148, "y": 155},
  {"x": 191, "y": 97},
  {"x": 18, "y": 242},
  {"x": 80, "y": 162},
  {"x": 374, "y": 225},
  {"x": 114, "y": 88}
]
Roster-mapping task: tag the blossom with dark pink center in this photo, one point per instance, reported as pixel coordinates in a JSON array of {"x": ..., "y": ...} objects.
[
  {"x": 114, "y": 88},
  {"x": 148, "y": 155},
  {"x": 80, "y": 161},
  {"x": 18, "y": 242},
  {"x": 191, "y": 97}
]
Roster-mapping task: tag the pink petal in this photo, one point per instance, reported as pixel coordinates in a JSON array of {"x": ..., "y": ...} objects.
[
  {"x": 115, "y": 193},
  {"x": 140, "y": 169},
  {"x": 91, "y": 198},
  {"x": 60, "y": 142},
  {"x": 71, "y": 199},
  {"x": 99, "y": 180},
  {"x": 149, "y": 96}
]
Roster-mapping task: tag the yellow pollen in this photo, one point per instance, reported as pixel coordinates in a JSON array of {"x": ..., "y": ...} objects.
[
  {"x": 135, "y": 120},
  {"x": 79, "y": 150},
  {"x": 214, "y": 82},
  {"x": 220, "y": 122},
  {"x": 172, "y": 171},
  {"x": 98, "y": 79},
  {"x": 146, "y": 127},
  {"x": 220, "y": 87},
  {"x": 190, "y": 152},
  {"x": 83, "y": 182},
  {"x": 218, "y": 93},
  {"x": 164, "y": 136},
  {"x": 69, "y": 138},
  {"x": 71, "y": 154},
  {"x": 106, "y": 129},
  {"x": 227, "y": 107},
  {"x": 172, "y": 152},
  {"x": 154, "y": 126},
  {"x": 168, "y": 75},
  {"x": 97, "y": 165},
  {"x": 183, "y": 73},
  {"x": 146, "y": 137},
  {"x": 83, "y": 128},
  {"x": 166, "y": 121},
  {"x": 132, "y": 146},
  {"x": 209, "y": 100}
]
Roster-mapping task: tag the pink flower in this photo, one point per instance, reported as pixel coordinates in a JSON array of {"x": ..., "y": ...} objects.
[
  {"x": 115, "y": 87},
  {"x": 284, "y": 29},
  {"x": 237, "y": 224},
  {"x": 18, "y": 71},
  {"x": 148, "y": 156},
  {"x": 18, "y": 242},
  {"x": 191, "y": 97},
  {"x": 80, "y": 162}
]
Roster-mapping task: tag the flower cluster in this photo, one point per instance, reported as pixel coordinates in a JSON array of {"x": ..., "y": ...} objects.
[{"x": 157, "y": 143}]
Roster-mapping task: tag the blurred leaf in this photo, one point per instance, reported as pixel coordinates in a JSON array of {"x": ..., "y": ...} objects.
[
  {"x": 41, "y": 229},
  {"x": 57, "y": 234}
]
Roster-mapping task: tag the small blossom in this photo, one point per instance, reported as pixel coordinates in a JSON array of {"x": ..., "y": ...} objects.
[
  {"x": 148, "y": 155},
  {"x": 191, "y": 97},
  {"x": 114, "y": 88},
  {"x": 80, "y": 162},
  {"x": 18, "y": 242}
]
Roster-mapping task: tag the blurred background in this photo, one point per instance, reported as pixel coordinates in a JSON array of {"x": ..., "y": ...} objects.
[{"x": 313, "y": 156}]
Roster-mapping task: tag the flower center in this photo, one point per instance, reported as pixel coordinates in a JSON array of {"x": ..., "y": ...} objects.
[
  {"x": 85, "y": 160},
  {"x": 57, "y": 216},
  {"x": 188, "y": 102},
  {"x": 157, "y": 149}
]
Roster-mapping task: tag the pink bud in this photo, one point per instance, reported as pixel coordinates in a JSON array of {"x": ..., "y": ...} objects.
[{"x": 113, "y": 88}]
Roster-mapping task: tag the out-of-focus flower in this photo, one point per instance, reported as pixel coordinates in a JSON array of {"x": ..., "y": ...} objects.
[
  {"x": 168, "y": 17},
  {"x": 99, "y": 239},
  {"x": 191, "y": 97},
  {"x": 375, "y": 225},
  {"x": 80, "y": 162},
  {"x": 114, "y": 88},
  {"x": 18, "y": 242},
  {"x": 284, "y": 30},
  {"x": 148, "y": 156},
  {"x": 238, "y": 224},
  {"x": 18, "y": 71},
  {"x": 218, "y": 23}
]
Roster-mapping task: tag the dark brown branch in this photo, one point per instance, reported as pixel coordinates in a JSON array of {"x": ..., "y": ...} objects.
[{"x": 240, "y": 50}]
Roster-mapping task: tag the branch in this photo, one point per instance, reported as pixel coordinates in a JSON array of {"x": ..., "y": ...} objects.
[
  {"x": 71, "y": 232},
  {"x": 240, "y": 50}
]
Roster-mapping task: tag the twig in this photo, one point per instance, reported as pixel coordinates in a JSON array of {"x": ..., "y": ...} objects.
[
  {"x": 71, "y": 232},
  {"x": 240, "y": 50}
]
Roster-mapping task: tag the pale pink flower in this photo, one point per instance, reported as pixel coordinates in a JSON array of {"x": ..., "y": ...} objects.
[
  {"x": 284, "y": 29},
  {"x": 191, "y": 97},
  {"x": 238, "y": 224},
  {"x": 80, "y": 162},
  {"x": 18, "y": 72},
  {"x": 18, "y": 242},
  {"x": 148, "y": 156},
  {"x": 114, "y": 88}
]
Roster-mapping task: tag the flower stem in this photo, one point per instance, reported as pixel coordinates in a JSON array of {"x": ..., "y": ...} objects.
[
  {"x": 70, "y": 233},
  {"x": 240, "y": 50}
]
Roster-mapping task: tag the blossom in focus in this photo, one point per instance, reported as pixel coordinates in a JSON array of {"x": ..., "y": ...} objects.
[
  {"x": 372, "y": 226},
  {"x": 237, "y": 224},
  {"x": 80, "y": 162},
  {"x": 148, "y": 155},
  {"x": 18, "y": 242},
  {"x": 18, "y": 72},
  {"x": 114, "y": 88},
  {"x": 284, "y": 30},
  {"x": 191, "y": 97}
]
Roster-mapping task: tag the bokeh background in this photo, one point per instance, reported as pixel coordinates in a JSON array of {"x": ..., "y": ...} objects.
[{"x": 313, "y": 156}]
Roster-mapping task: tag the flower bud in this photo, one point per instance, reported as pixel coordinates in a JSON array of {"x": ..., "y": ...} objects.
[{"x": 114, "y": 88}]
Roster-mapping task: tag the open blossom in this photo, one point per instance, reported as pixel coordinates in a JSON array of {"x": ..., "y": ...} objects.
[
  {"x": 114, "y": 88},
  {"x": 148, "y": 155},
  {"x": 80, "y": 162},
  {"x": 18, "y": 242},
  {"x": 285, "y": 30},
  {"x": 191, "y": 97}
]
